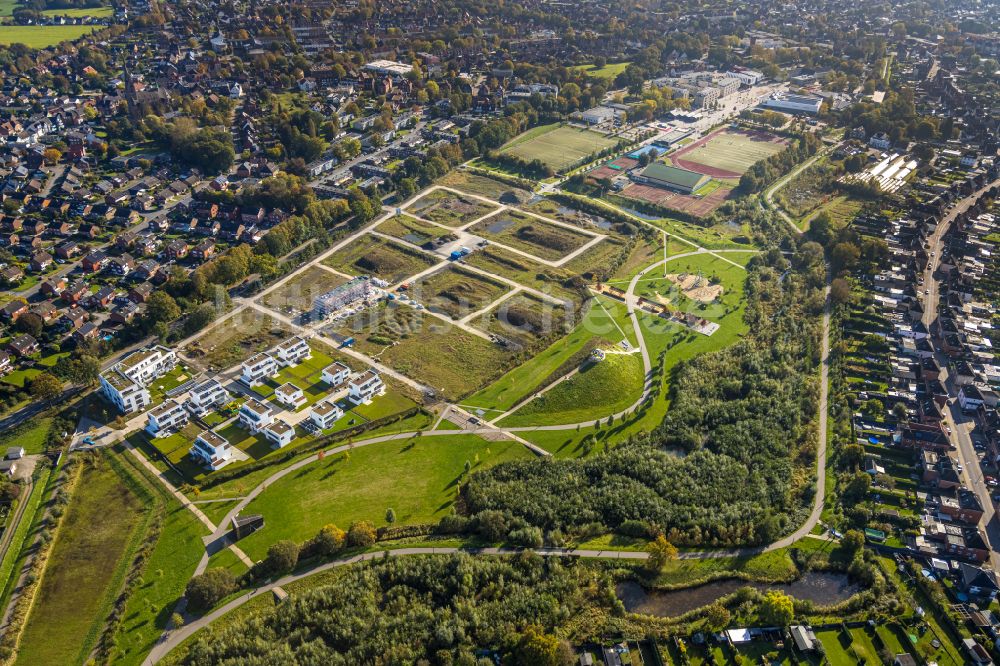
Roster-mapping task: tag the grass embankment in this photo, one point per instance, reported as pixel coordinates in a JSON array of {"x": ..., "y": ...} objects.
[{"x": 85, "y": 569}]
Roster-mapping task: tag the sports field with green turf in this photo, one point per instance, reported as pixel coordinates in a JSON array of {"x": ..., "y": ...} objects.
[
  {"x": 733, "y": 151},
  {"x": 557, "y": 146}
]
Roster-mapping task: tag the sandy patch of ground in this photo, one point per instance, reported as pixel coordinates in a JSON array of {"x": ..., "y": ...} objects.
[{"x": 696, "y": 287}]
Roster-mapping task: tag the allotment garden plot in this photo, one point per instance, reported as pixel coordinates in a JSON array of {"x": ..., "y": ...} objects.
[{"x": 559, "y": 147}]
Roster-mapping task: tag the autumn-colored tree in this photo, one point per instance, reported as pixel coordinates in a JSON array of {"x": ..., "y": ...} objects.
[{"x": 660, "y": 551}]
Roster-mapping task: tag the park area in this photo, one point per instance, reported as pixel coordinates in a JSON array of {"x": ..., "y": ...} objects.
[
  {"x": 728, "y": 153},
  {"x": 418, "y": 478},
  {"x": 557, "y": 146}
]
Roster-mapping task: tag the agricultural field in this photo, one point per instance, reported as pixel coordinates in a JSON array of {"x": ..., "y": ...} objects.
[
  {"x": 378, "y": 257},
  {"x": 530, "y": 234},
  {"x": 296, "y": 295},
  {"x": 236, "y": 338},
  {"x": 418, "y": 478},
  {"x": 85, "y": 568},
  {"x": 410, "y": 229},
  {"x": 43, "y": 36},
  {"x": 456, "y": 292},
  {"x": 728, "y": 153},
  {"x": 449, "y": 208},
  {"x": 558, "y": 146}
]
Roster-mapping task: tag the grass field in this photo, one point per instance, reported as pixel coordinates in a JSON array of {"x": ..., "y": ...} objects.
[
  {"x": 411, "y": 230},
  {"x": 449, "y": 208},
  {"x": 491, "y": 188},
  {"x": 13, "y": 554},
  {"x": 531, "y": 234},
  {"x": 597, "y": 326},
  {"x": 83, "y": 571},
  {"x": 43, "y": 36},
  {"x": 76, "y": 12},
  {"x": 456, "y": 292},
  {"x": 235, "y": 339},
  {"x": 417, "y": 478},
  {"x": 381, "y": 258},
  {"x": 296, "y": 295},
  {"x": 557, "y": 146},
  {"x": 842, "y": 210},
  {"x": 608, "y": 72},
  {"x": 30, "y": 434},
  {"x": 733, "y": 151}
]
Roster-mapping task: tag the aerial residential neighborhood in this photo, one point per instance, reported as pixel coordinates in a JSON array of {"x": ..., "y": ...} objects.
[{"x": 532, "y": 333}]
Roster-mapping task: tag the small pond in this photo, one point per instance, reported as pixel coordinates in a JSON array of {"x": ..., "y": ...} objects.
[
  {"x": 415, "y": 238},
  {"x": 821, "y": 588},
  {"x": 497, "y": 226}
]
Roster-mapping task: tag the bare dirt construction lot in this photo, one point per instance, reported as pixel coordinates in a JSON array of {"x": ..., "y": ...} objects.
[
  {"x": 449, "y": 208},
  {"x": 531, "y": 234},
  {"x": 456, "y": 292},
  {"x": 296, "y": 295},
  {"x": 728, "y": 153},
  {"x": 235, "y": 339},
  {"x": 371, "y": 255}
]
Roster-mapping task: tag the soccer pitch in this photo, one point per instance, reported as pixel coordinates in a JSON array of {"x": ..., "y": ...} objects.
[
  {"x": 558, "y": 146},
  {"x": 732, "y": 151}
]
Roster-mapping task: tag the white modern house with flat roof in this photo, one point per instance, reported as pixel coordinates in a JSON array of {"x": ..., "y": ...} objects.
[
  {"x": 206, "y": 396},
  {"x": 289, "y": 395},
  {"x": 279, "y": 433},
  {"x": 168, "y": 415},
  {"x": 258, "y": 369},
  {"x": 325, "y": 414},
  {"x": 211, "y": 449},
  {"x": 292, "y": 351},
  {"x": 336, "y": 373},
  {"x": 124, "y": 384},
  {"x": 255, "y": 415},
  {"x": 364, "y": 387}
]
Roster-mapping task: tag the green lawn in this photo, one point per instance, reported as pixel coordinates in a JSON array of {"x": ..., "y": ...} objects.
[
  {"x": 608, "y": 72},
  {"x": 418, "y": 478},
  {"x": 84, "y": 569},
  {"x": 557, "y": 146},
  {"x": 30, "y": 434},
  {"x": 43, "y": 36}
]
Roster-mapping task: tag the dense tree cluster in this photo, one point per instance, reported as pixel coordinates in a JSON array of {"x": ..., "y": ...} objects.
[
  {"x": 740, "y": 417},
  {"x": 407, "y": 610},
  {"x": 766, "y": 171}
]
